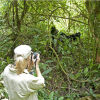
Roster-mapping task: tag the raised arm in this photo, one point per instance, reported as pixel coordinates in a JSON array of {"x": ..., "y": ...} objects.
[{"x": 38, "y": 72}]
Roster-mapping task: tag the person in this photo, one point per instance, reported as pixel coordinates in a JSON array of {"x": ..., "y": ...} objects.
[{"x": 20, "y": 84}]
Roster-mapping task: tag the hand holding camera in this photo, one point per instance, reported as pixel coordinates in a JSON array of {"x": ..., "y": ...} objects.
[{"x": 36, "y": 58}]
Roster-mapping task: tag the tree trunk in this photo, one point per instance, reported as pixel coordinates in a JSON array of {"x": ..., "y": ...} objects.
[
  {"x": 17, "y": 16},
  {"x": 93, "y": 8}
]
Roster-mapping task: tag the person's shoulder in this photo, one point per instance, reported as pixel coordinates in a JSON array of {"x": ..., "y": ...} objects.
[
  {"x": 9, "y": 65},
  {"x": 6, "y": 69}
]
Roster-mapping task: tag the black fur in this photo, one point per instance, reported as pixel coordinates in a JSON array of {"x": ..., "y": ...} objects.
[
  {"x": 71, "y": 37},
  {"x": 63, "y": 36}
]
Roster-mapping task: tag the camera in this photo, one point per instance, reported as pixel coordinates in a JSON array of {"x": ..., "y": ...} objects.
[{"x": 35, "y": 55}]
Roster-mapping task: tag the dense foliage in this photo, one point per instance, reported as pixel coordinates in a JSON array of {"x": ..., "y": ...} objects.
[{"x": 69, "y": 67}]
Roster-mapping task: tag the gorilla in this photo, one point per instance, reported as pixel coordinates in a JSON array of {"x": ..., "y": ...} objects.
[{"x": 72, "y": 37}]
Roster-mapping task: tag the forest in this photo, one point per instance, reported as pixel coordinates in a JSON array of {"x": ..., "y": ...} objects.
[{"x": 66, "y": 33}]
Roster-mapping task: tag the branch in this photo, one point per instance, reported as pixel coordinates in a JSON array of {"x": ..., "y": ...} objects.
[
  {"x": 63, "y": 18},
  {"x": 59, "y": 62},
  {"x": 24, "y": 11},
  {"x": 17, "y": 15},
  {"x": 70, "y": 19}
]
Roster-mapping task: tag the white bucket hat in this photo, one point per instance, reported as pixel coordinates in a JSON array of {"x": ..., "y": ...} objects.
[{"x": 23, "y": 51}]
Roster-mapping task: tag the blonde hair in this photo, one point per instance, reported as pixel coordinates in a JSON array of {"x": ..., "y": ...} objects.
[
  {"x": 30, "y": 65},
  {"x": 22, "y": 63}
]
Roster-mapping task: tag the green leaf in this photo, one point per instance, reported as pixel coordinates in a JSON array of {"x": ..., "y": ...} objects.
[
  {"x": 77, "y": 75},
  {"x": 92, "y": 93},
  {"x": 8, "y": 60},
  {"x": 47, "y": 71},
  {"x": 51, "y": 95},
  {"x": 72, "y": 76},
  {"x": 86, "y": 70},
  {"x": 49, "y": 61},
  {"x": 43, "y": 66},
  {"x": 61, "y": 98},
  {"x": 99, "y": 66}
]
